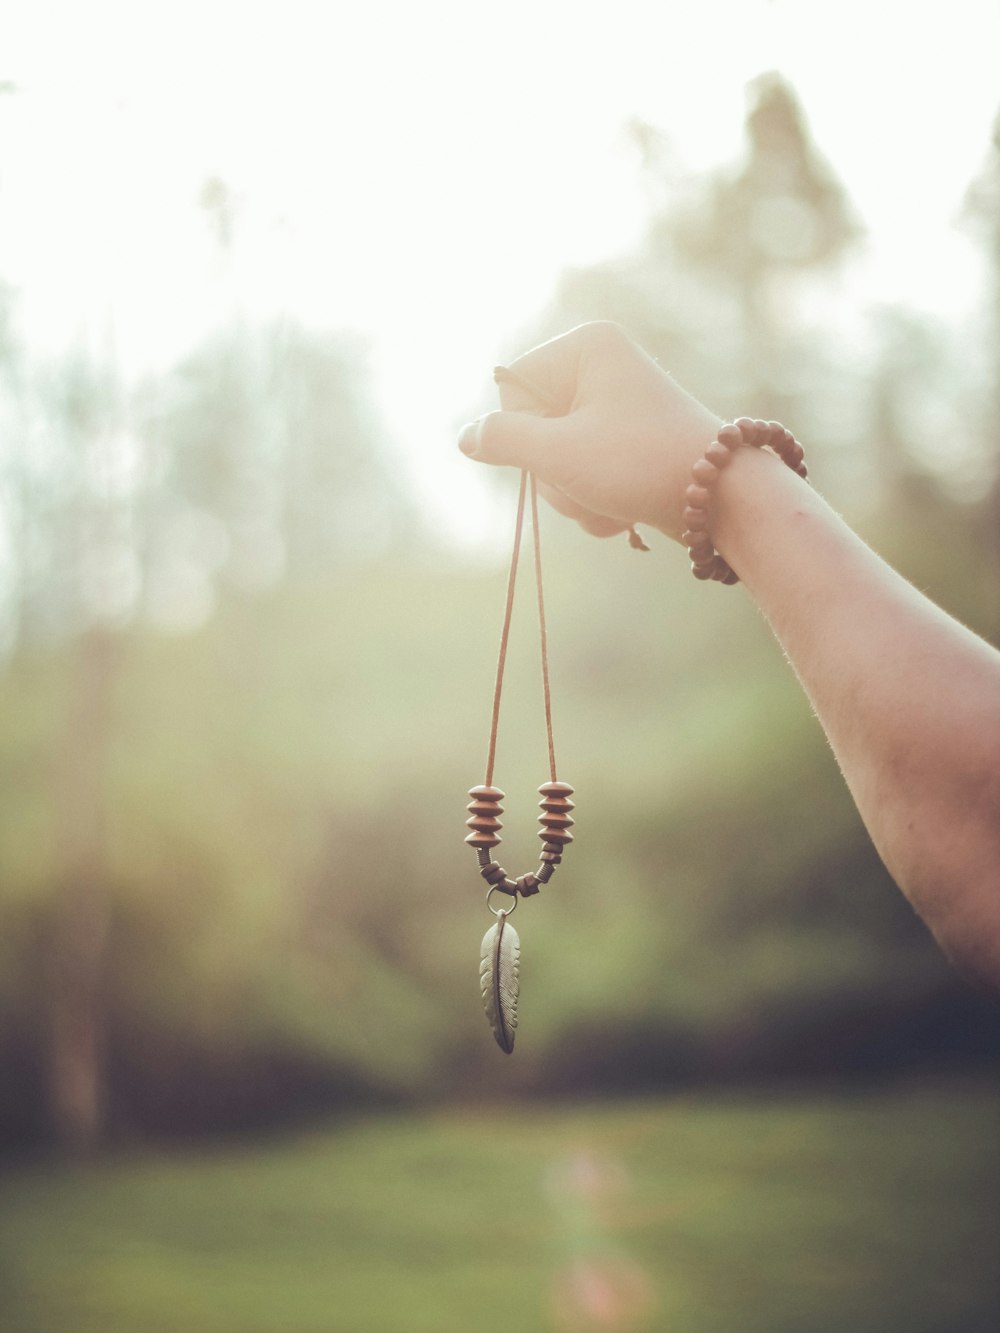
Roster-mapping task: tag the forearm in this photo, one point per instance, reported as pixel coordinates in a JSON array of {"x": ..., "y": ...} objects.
[{"x": 909, "y": 699}]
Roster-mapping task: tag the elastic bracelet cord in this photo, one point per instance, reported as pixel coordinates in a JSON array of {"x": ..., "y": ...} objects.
[{"x": 706, "y": 562}]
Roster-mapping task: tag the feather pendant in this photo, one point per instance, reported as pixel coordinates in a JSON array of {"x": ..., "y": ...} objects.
[{"x": 500, "y": 955}]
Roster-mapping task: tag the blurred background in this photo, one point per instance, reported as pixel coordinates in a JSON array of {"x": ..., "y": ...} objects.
[{"x": 256, "y": 266}]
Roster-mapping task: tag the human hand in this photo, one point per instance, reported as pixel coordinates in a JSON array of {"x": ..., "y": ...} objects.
[{"x": 619, "y": 446}]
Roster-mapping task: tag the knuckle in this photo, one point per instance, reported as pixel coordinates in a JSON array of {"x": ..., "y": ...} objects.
[{"x": 602, "y": 334}]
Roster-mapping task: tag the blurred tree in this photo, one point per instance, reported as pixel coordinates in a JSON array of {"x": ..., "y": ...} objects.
[
  {"x": 91, "y": 584},
  {"x": 779, "y": 214},
  {"x": 720, "y": 289},
  {"x": 982, "y": 211},
  {"x": 270, "y": 464}
]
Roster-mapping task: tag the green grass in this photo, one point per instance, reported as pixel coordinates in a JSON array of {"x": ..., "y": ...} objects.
[{"x": 868, "y": 1212}]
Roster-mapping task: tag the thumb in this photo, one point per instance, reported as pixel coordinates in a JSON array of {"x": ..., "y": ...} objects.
[{"x": 518, "y": 439}]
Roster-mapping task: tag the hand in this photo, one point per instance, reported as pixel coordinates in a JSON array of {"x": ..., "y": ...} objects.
[{"x": 621, "y": 449}]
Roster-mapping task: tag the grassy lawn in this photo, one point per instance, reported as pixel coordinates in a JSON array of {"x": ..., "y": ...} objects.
[{"x": 864, "y": 1212}]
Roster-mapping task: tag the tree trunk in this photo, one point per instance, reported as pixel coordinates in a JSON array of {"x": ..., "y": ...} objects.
[{"x": 78, "y": 955}]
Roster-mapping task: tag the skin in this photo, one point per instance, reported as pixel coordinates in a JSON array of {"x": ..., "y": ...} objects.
[{"x": 909, "y": 699}]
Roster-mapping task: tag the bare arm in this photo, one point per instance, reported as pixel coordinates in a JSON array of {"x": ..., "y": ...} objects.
[{"x": 909, "y": 699}]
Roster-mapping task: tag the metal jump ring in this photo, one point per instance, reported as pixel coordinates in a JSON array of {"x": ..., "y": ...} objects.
[{"x": 503, "y": 911}]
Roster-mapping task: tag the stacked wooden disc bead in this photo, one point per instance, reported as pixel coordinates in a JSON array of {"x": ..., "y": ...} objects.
[
  {"x": 485, "y": 809},
  {"x": 706, "y": 563}
]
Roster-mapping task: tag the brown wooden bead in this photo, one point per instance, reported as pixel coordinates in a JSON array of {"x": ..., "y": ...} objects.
[
  {"x": 482, "y": 838},
  {"x": 731, "y": 578},
  {"x": 508, "y": 886},
  {"x": 794, "y": 455},
  {"x": 731, "y": 437},
  {"x": 717, "y": 454},
  {"x": 555, "y": 835},
  {"x": 704, "y": 473},
  {"x": 551, "y": 853},
  {"x": 698, "y": 541},
  {"x": 492, "y": 794},
  {"x": 545, "y": 873},
  {"x": 747, "y": 428},
  {"x": 700, "y": 572},
  {"x": 802, "y": 470},
  {"x": 697, "y": 497},
  {"x": 484, "y": 823},
  {"x": 695, "y": 519},
  {"x": 493, "y": 873},
  {"x": 556, "y": 809},
  {"x": 555, "y": 795},
  {"x": 484, "y": 808},
  {"x": 555, "y": 820}
]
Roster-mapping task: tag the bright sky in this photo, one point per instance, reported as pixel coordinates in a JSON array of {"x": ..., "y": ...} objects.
[{"x": 423, "y": 172}]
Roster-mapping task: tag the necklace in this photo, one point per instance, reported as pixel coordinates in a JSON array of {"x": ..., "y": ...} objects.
[{"x": 501, "y": 948}]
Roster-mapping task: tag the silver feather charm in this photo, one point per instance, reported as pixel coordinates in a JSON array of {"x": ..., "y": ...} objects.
[{"x": 500, "y": 955}]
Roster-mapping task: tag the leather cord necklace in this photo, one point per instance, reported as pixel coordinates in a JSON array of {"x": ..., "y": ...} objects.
[{"x": 501, "y": 947}]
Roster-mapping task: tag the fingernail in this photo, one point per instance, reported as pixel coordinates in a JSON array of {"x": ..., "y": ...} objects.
[{"x": 468, "y": 439}]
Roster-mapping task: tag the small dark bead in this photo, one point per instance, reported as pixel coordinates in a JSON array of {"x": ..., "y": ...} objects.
[
  {"x": 493, "y": 873},
  {"x": 730, "y": 436},
  {"x": 802, "y": 470},
  {"x": 527, "y": 885},
  {"x": 775, "y": 431},
  {"x": 731, "y": 578},
  {"x": 717, "y": 454},
  {"x": 697, "y": 497},
  {"x": 701, "y": 571},
  {"x": 508, "y": 886},
  {"x": 704, "y": 473},
  {"x": 794, "y": 454},
  {"x": 549, "y": 853},
  {"x": 545, "y": 873},
  {"x": 696, "y": 519}
]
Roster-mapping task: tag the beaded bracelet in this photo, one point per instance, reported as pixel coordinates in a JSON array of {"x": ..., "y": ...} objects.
[{"x": 706, "y": 563}]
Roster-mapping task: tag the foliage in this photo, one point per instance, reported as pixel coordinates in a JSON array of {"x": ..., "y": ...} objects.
[{"x": 244, "y": 697}]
